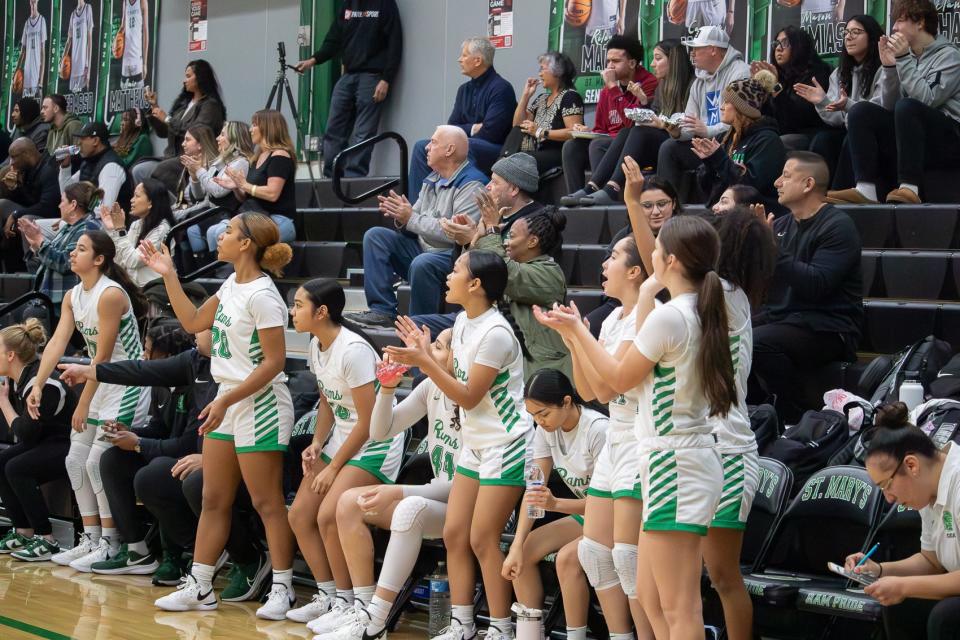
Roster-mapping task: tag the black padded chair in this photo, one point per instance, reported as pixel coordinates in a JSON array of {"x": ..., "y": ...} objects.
[
  {"x": 914, "y": 274},
  {"x": 874, "y": 224},
  {"x": 769, "y": 505},
  {"x": 926, "y": 226},
  {"x": 893, "y": 324},
  {"x": 869, "y": 261}
]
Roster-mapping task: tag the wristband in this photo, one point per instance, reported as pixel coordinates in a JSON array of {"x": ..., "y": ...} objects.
[{"x": 253, "y": 191}]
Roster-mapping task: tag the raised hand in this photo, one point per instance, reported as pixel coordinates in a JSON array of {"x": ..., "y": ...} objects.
[
  {"x": 840, "y": 104},
  {"x": 417, "y": 341},
  {"x": 812, "y": 93},
  {"x": 633, "y": 186},
  {"x": 159, "y": 261},
  {"x": 704, "y": 147}
]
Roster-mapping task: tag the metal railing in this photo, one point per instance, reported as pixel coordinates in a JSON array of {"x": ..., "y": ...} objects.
[
  {"x": 33, "y": 294},
  {"x": 339, "y": 162},
  {"x": 189, "y": 222}
]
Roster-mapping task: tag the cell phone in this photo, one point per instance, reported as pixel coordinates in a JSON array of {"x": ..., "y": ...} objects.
[
  {"x": 106, "y": 436},
  {"x": 866, "y": 579}
]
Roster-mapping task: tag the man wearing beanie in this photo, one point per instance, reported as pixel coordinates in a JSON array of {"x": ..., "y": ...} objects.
[
  {"x": 26, "y": 117},
  {"x": 751, "y": 153}
]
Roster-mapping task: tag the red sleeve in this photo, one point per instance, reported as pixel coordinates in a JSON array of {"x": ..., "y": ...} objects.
[
  {"x": 601, "y": 122},
  {"x": 648, "y": 81}
]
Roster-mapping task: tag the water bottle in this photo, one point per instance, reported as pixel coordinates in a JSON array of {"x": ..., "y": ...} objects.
[
  {"x": 439, "y": 600},
  {"x": 529, "y": 622},
  {"x": 64, "y": 152},
  {"x": 911, "y": 394},
  {"x": 534, "y": 477}
]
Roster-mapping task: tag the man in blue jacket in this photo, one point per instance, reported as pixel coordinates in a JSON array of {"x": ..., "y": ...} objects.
[{"x": 483, "y": 109}]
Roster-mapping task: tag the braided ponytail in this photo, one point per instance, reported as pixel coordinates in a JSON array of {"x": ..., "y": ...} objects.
[
  {"x": 504, "y": 308},
  {"x": 490, "y": 269}
]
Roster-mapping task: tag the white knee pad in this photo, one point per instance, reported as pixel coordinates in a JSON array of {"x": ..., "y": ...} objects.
[
  {"x": 76, "y": 465},
  {"x": 407, "y": 514},
  {"x": 93, "y": 467},
  {"x": 625, "y": 560},
  {"x": 597, "y": 562}
]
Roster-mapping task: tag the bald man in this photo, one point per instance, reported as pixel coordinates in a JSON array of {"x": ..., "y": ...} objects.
[
  {"x": 28, "y": 188},
  {"x": 417, "y": 249}
]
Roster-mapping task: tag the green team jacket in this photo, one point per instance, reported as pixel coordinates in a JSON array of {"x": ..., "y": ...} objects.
[{"x": 538, "y": 282}]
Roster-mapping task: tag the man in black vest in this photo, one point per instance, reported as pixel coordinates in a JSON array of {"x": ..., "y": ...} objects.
[{"x": 100, "y": 165}]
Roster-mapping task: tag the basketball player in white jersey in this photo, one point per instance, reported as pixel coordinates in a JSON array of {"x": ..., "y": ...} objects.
[
  {"x": 817, "y": 11},
  {"x": 136, "y": 42},
  {"x": 702, "y": 13},
  {"x": 80, "y": 45},
  {"x": 606, "y": 15},
  {"x": 33, "y": 44}
]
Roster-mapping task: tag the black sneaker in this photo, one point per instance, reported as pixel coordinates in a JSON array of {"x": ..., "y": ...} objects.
[{"x": 371, "y": 318}]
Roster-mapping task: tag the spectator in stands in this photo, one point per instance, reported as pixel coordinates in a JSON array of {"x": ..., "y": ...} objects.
[
  {"x": 857, "y": 77},
  {"x": 541, "y": 127},
  {"x": 268, "y": 186},
  {"x": 51, "y": 256},
  {"x": 134, "y": 143},
  {"x": 815, "y": 308},
  {"x": 718, "y": 64},
  {"x": 483, "y": 109},
  {"x": 794, "y": 60},
  {"x": 751, "y": 152},
  {"x": 63, "y": 124},
  {"x": 535, "y": 279},
  {"x": 671, "y": 66},
  {"x": 100, "y": 165},
  {"x": 26, "y": 118},
  {"x": 919, "y": 593},
  {"x": 150, "y": 207},
  {"x": 4, "y": 145},
  {"x": 738, "y": 194},
  {"x": 627, "y": 85},
  {"x": 367, "y": 39},
  {"x": 42, "y": 443},
  {"x": 925, "y": 121},
  {"x": 419, "y": 250},
  {"x": 199, "y": 150},
  {"x": 29, "y": 189},
  {"x": 199, "y": 102}
]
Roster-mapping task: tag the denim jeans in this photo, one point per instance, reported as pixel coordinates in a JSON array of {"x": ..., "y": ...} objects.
[
  {"x": 387, "y": 252},
  {"x": 436, "y": 322},
  {"x": 354, "y": 117},
  {"x": 482, "y": 154},
  {"x": 288, "y": 233}
]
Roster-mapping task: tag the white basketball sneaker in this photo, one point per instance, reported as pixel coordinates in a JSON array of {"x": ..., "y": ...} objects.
[
  {"x": 279, "y": 602},
  {"x": 100, "y": 553},
  {"x": 340, "y": 614},
  {"x": 189, "y": 596},
  {"x": 318, "y": 605},
  {"x": 85, "y": 546}
]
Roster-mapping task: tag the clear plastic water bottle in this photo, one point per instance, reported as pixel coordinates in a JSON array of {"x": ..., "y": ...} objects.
[
  {"x": 439, "y": 601},
  {"x": 534, "y": 478},
  {"x": 64, "y": 152}
]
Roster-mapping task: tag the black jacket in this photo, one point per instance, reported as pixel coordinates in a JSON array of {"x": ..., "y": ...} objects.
[
  {"x": 173, "y": 426},
  {"x": 57, "y": 403},
  {"x": 818, "y": 283},
  {"x": 795, "y": 114},
  {"x": 91, "y": 166},
  {"x": 208, "y": 111},
  {"x": 36, "y": 131},
  {"x": 39, "y": 190},
  {"x": 367, "y": 36},
  {"x": 760, "y": 151}
]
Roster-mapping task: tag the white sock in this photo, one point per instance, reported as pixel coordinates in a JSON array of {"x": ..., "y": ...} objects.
[
  {"x": 364, "y": 594},
  {"x": 464, "y": 614},
  {"x": 576, "y": 633},
  {"x": 910, "y": 187},
  {"x": 113, "y": 538},
  {"x": 379, "y": 611},
  {"x": 94, "y": 531},
  {"x": 284, "y": 577},
  {"x": 503, "y": 625},
  {"x": 621, "y": 636},
  {"x": 328, "y": 588},
  {"x": 868, "y": 190},
  {"x": 346, "y": 595},
  {"x": 139, "y": 547},
  {"x": 203, "y": 574}
]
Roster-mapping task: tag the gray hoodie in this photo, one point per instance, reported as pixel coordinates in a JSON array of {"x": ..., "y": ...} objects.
[
  {"x": 706, "y": 92},
  {"x": 885, "y": 91},
  {"x": 933, "y": 78}
]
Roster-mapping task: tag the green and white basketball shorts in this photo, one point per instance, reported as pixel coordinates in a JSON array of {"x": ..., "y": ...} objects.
[
  {"x": 741, "y": 477},
  {"x": 616, "y": 473},
  {"x": 681, "y": 487},
  {"x": 260, "y": 422},
  {"x": 379, "y": 458},
  {"x": 129, "y": 405},
  {"x": 502, "y": 465}
]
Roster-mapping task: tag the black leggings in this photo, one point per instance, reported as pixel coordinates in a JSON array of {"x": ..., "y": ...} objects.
[
  {"x": 118, "y": 468},
  {"x": 911, "y": 618},
  {"x": 640, "y": 143},
  {"x": 23, "y": 469}
]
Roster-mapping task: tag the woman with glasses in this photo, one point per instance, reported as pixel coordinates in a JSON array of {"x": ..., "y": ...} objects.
[
  {"x": 920, "y": 594},
  {"x": 856, "y": 78}
]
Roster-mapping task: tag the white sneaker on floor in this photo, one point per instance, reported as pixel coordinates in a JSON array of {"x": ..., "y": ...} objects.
[
  {"x": 354, "y": 630},
  {"x": 340, "y": 614},
  {"x": 279, "y": 602},
  {"x": 188, "y": 597},
  {"x": 318, "y": 605},
  {"x": 100, "y": 553},
  {"x": 85, "y": 546},
  {"x": 454, "y": 632}
]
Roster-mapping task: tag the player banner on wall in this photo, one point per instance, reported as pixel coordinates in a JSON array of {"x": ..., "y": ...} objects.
[
  {"x": 27, "y": 39},
  {"x": 75, "y": 54},
  {"x": 130, "y": 39},
  {"x": 949, "y": 19}
]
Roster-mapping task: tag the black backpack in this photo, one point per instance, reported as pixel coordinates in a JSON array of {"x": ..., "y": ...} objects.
[
  {"x": 941, "y": 422},
  {"x": 808, "y": 446},
  {"x": 920, "y": 361},
  {"x": 765, "y": 424},
  {"x": 855, "y": 451}
]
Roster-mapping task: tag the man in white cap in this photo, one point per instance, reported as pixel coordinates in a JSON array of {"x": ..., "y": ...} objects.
[{"x": 717, "y": 64}]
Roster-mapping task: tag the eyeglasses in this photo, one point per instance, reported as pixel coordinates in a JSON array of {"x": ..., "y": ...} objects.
[
  {"x": 780, "y": 44},
  {"x": 659, "y": 204},
  {"x": 885, "y": 485},
  {"x": 852, "y": 33}
]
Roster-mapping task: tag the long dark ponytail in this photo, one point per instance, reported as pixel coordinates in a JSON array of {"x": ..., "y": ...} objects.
[
  {"x": 696, "y": 246},
  {"x": 491, "y": 271},
  {"x": 328, "y": 293},
  {"x": 102, "y": 245},
  {"x": 748, "y": 252}
]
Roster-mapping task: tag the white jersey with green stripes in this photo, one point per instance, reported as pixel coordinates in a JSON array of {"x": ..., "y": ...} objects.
[
  {"x": 574, "y": 453},
  {"x": 733, "y": 432},
  {"x": 672, "y": 401},
  {"x": 87, "y": 319},
  {"x": 443, "y": 430},
  {"x": 500, "y": 417},
  {"x": 616, "y": 329},
  {"x": 242, "y": 311}
]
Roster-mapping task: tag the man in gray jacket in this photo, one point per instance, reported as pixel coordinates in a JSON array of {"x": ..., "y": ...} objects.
[
  {"x": 418, "y": 250},
  {"x": 923, "y": 130},
  {"x": 717, "y": 65}
]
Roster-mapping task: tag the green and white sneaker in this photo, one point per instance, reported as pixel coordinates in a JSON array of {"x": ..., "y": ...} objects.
[
  {"x": 13, "y": 541},
  {"x": 172, "y": 569},
  {"x": 39, "y": 549},
  {"x": 246, "y": 581},
  {"x": 127, "y": 562}
]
